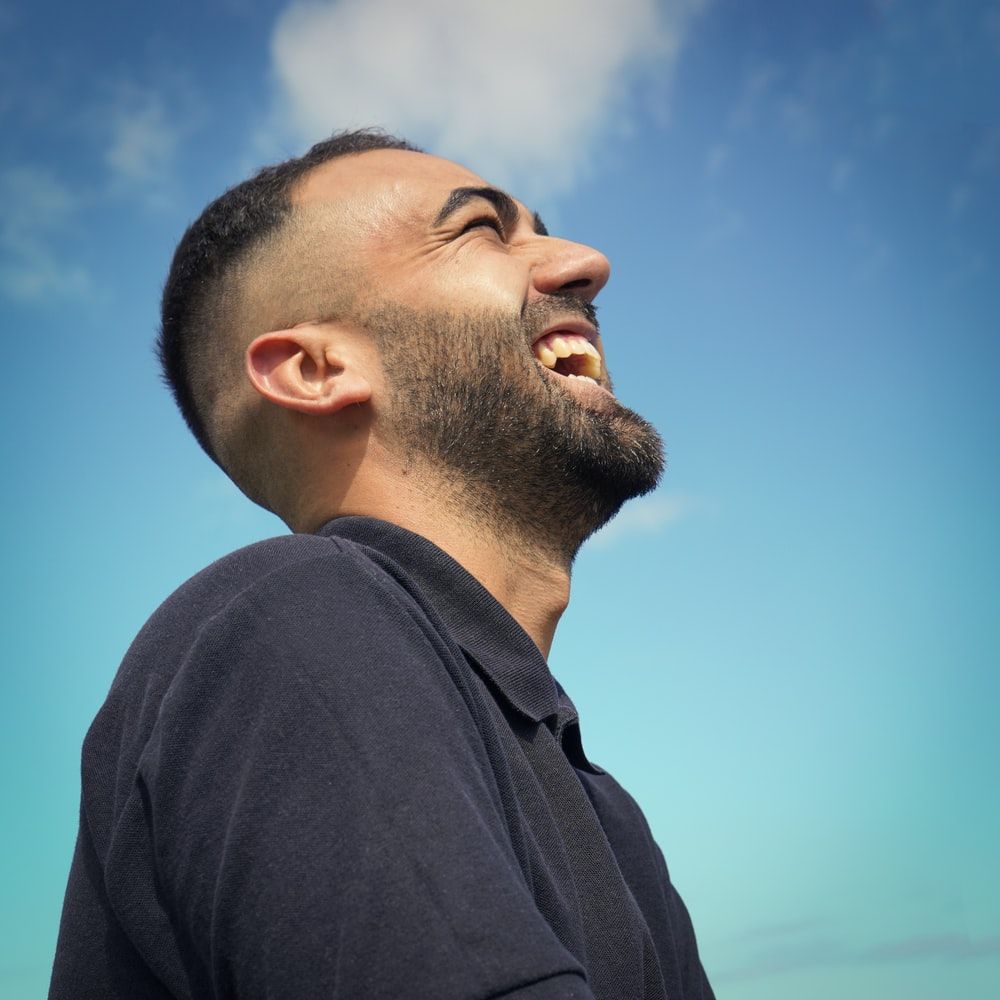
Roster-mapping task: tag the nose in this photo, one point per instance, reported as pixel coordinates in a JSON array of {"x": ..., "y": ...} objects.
[{"x": 569, "y": 268}]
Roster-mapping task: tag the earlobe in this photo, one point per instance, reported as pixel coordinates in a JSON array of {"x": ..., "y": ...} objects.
[{"x": 299, "y": 369}]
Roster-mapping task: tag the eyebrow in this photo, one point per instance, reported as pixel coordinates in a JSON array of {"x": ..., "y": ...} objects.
[{"x": 506, "y": 207}]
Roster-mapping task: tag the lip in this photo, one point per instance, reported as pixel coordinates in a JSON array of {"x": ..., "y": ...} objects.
[{"x": 578, "y": 326}]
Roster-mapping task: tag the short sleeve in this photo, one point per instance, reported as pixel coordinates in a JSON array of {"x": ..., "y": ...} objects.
[{"x": 319, "y": 812}]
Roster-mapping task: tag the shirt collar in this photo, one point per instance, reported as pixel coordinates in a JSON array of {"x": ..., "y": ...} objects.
[{"x": 475, "y": 618}]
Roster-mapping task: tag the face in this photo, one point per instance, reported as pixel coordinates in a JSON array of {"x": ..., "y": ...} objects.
[{"x": 493, "y": 363}]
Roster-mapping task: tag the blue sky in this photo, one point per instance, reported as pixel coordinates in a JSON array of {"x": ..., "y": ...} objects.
[{"x": 789, "y": 653}]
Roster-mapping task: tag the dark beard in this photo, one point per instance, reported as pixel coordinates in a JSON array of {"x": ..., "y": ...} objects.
[{"x": 519, "y": 453}]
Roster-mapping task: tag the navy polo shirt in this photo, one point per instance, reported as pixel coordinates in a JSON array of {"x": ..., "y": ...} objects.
[{"x": 334, "y": 766}]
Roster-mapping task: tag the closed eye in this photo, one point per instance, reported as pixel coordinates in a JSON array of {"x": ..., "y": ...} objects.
[{"x": 484, "y": 220}]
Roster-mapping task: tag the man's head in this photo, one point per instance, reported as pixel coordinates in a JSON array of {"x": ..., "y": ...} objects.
[
  {"x": 396, "y": 297},
  {"x": 220, "y": 267}
]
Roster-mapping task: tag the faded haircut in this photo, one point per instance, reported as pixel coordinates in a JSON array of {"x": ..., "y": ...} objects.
[{"x": 212, "y": 257}]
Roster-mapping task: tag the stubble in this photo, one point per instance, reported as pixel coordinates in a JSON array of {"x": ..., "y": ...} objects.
[{"x": 511, "y": 447}]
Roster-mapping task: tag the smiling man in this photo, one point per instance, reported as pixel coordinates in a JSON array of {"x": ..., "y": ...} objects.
[{"x": 335, "y": 764}]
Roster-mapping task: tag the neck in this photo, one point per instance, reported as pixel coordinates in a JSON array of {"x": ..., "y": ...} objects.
[
  {"x": 528, "y": 579},
  {"x": 533, "y": 587},
  {"x": 528, "y": 573}
]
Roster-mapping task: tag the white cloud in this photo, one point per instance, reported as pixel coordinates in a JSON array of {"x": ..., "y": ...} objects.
[
  {"x": 34, "y": 209},
  {"x": 645, "y": 516},
  {"x": 520, "y": 89}
]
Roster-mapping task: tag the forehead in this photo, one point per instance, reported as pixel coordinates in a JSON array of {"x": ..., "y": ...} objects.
[{"x": 381, "y": 181}]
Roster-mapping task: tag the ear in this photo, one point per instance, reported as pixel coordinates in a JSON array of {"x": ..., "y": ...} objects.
[{"x": 303, "y": 369}]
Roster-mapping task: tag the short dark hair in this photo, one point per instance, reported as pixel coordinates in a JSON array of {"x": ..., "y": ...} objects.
[{"x": 220, "y": 238}]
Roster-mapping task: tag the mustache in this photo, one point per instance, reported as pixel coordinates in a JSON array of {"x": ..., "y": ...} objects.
[{"x": 537, "y": 313}]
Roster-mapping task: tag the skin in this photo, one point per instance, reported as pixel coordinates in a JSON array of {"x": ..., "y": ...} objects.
[{"x": 324, "y": 387}]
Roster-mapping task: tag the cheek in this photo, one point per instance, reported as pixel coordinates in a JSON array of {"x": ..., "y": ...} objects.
[
  {"x": 466, "y": 281},
  {"x": 500, "y": 286}
]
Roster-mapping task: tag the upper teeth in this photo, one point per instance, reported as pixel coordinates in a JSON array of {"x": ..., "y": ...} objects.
[{"x": 561, "y": 344}]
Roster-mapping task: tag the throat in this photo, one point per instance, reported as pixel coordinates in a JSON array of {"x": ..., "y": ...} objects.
[
  {"x": 531, "y": 580},
  {"x": 534, "y": 592}
]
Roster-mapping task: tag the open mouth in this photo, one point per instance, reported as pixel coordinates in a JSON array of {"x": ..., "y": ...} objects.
[{"x": 569, "y": 354}]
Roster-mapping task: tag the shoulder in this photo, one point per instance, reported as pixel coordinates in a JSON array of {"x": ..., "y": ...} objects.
[
  {"x": 282, "y": 570},
  {"x": 324, "y": 619},
  {"x": 299, "y": 623},
  {"x": 312, "y": 648},
  {"x": 269, "y": 564},
  {"x": 301, "y": 595}
]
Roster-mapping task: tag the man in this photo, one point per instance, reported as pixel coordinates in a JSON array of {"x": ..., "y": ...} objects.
[{"x": 335, "y": 764}]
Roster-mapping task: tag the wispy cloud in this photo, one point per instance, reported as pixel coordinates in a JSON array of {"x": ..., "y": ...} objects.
[
  {"x": 717, "y": 158},
  {"x": 875, "y": 257},
  {"x": 527, "y": 105},
  {"x": 758, "y": 86},
  {"x": 35, "y": 208},
  {"x": 980, "y": 171},
  {"x": 142, "y": 142},
  {"x": 725, "y": 222},
  {"x": 645, "y": 516},
  {"x": 841, "y": 173},
  {"x": 798, "y": 950},
  {"x": 800, "y": 954},
  {"x": 141, "y": 139},
  {"x": 956, "y": 946},
  {"x": 783, "y": 930}
]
